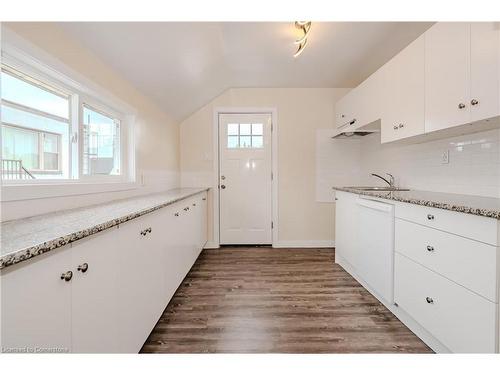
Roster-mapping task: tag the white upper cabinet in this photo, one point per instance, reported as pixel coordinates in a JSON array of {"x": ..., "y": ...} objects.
[
  {"x": 447, "y": 75},
  {"x": 461, "y": 74},
  {"x": 485, "y": 50},
  {"x": 402, "y": 103},
  {"x": 345, "y": 116}
]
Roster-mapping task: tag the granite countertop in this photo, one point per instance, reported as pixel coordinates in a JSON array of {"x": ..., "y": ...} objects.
[
  {"x": 29, "y": 237},
  {"x": 469, "y": 204}
]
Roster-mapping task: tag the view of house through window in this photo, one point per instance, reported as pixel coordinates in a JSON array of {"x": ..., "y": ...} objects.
[
  {"x": 35, "y": 128},
  {"x": 101, "y": 143},
  {"x": 38, "y": 141}
]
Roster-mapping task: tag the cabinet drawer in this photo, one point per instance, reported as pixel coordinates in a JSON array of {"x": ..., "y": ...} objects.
[
  {"x": 478, "y": 228},
  {"x": 469, "y": 263},
  {"x": 463, "y": 321}
]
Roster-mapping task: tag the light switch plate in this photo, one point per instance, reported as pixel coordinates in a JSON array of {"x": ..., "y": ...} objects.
[{"x": 445, "y": 157}]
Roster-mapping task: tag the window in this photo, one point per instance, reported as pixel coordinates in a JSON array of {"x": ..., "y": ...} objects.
[
  {"x": 101, "y": 143},
  {"x": 52, "y": 131},
  {"x": 245, "y": 136},
  {"x": 35, "y": 122}
]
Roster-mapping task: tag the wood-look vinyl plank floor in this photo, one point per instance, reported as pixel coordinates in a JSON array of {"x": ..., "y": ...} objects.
[{"x": 265, "y": 300}]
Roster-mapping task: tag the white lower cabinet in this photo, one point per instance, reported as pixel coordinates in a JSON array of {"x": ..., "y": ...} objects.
[
  {"x": 460, "y": 319},
  {"x": 36, "y": 303},
  {"x": 104, "y": 293},
  {"x": 94, "y": 294},
  {"x": 446, "y": 270}
]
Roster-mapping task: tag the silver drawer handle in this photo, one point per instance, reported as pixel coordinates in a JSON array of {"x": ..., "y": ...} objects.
[
  {"x": 429, "y": 300},
  {"x": 430, "y": 217},
  {"x": 176, "y": 214},
  {"x": 66, "y": 276},
  {"x": 186, "y": 209},
  {"x": 430, "y": 248},
  {"x": 83, "y": 267},
  {"x": 203, "y": 199}
]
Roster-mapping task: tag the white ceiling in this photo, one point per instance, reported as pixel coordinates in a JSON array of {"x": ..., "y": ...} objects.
[{"x": 184, "y": 65}]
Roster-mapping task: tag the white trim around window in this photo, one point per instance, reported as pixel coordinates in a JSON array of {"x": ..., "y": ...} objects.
[{"x": 46, "y": 69}]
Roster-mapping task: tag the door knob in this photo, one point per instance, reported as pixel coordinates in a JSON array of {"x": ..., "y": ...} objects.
[
  {"x": 66, "y": 276},
  {"x": 474, "y": 102},
  {"x": 223, "y": 186},
  {"x": 430, "y": 248},
  {"x": 429, "y": 300},
  {"x": 83, "y": 267},
  {"x": 461, "y": 106}
]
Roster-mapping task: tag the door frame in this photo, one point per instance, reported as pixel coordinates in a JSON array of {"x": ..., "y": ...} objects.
[{"x": 216, "y": 166}]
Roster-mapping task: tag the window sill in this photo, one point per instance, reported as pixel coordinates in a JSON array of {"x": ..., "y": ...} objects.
[{"x": 18, "y": 192}]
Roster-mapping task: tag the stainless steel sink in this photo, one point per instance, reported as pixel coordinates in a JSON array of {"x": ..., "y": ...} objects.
[{"x": 377, "y": 188}]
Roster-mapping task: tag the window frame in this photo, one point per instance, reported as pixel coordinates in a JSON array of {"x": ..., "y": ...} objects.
[{"x": 80, "y": 90}]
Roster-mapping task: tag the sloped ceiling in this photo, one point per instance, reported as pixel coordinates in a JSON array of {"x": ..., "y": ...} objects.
[{"x": 184, "y": 65}]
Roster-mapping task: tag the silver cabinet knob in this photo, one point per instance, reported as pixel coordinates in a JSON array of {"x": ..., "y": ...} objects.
[
  {"x": 203, "y": 199},
  {"x": 401, "y": 125},
  {"x": 430, "y": 217},
  {"x": 67, "y": 276},
  {"x": 474, "y": 102},
  {"x": 194, "y": 204},
  {"x": 395, "y": 127},
  {"x": 149, "y": 230},
  {"x": 83, "y": 267},
  {"x": 176, "y": 214},
  {"x": 430, "y": 248},
  {"x": 222, "y": 177},
  {"x": 223, "y": 186},
  {"x": 186, "y": 208},
  {"x": 461, "y": 106},
  {"x": 429, "y": 300}
]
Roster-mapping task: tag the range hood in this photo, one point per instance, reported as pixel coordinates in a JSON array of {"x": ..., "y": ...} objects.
[
  {"x": 353, "y": 134},
  {"x": 349, "y": 131}
]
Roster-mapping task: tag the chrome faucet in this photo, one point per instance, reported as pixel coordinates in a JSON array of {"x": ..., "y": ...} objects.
[{"x": 389, "y": 181}]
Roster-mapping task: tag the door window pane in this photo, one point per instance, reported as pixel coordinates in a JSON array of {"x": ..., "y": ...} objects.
[
  {"x": 232, "y": 142},
  {"x": 257, "y": 129},
  {"x": 257, "y": 141},
  {"x": 245, "y": 136},
  {"x": 101, "y": 143},
  {"x": 245, "y": 129},
  {"x": 245, "y": 142},
  {"x": 232, "y": 129}
]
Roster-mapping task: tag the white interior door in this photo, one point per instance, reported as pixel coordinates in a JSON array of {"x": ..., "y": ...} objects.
[{"x": 245, "y": 179}]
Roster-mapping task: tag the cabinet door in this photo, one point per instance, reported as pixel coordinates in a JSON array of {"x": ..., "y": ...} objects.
[
  {"x": 94, "y": 299},
  {"x": 369, "y": 99},
  {"x": 447, "y": 75},
  {"x": 403, "y": 105},
  {"x": 346, "y": 227},
  {"x": 140, "y": 280},
  {"x": 36, "y": 303},
  {"x": 345, "y": 113},
  {"x": 484, "y": 97}
]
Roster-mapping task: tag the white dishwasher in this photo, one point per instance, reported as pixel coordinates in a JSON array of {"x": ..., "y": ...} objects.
[{"x": 375, "y": 263}]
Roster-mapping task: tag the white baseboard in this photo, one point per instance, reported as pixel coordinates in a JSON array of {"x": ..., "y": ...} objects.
[
  {"x": 211, "y": 245},
  {"x": 305, "y": 244}
]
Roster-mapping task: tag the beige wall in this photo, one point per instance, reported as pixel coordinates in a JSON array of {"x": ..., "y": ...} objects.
[
  {"x": 156, "y": 134},
  {"x": 301, "y": 111}
]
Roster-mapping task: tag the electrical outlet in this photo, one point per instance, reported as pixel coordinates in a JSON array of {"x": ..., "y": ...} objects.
[{"x": 445, "y": 157}]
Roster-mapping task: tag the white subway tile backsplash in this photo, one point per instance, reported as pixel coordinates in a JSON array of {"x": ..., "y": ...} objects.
[{"x": 473, "y": 168}]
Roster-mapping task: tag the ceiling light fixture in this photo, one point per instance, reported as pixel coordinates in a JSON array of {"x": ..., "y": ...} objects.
[{"x": 305, "y": 27}]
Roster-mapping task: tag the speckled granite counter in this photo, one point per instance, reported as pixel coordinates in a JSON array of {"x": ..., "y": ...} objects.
[
  {"x": 469, "y": 204},
  {"x": 26, "y": 238}
]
